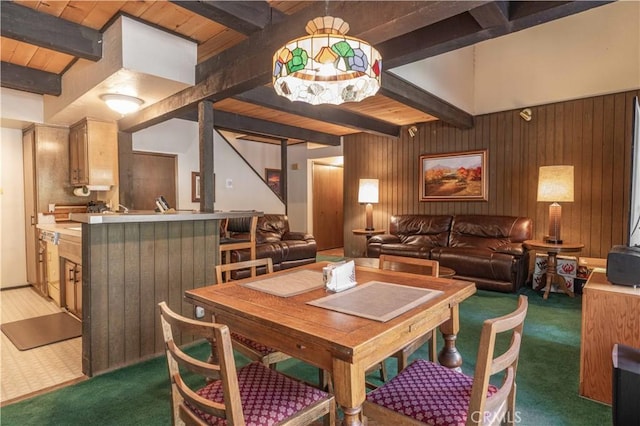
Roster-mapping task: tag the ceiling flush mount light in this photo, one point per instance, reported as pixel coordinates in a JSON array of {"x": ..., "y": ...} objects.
[
  {"x": 124, "y": 104},
  {"x": 326, "y": 66}
]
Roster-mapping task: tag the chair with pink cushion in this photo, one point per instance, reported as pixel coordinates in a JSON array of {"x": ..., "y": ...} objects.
[
  {"x": 252, "y": 395},
  {"x": 428, "y": 393}
]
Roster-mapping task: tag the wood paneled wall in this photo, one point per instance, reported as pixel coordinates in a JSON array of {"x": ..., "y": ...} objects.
[
  {"x": 131, "y": 267},
  {"x": 593, "y": 134}
]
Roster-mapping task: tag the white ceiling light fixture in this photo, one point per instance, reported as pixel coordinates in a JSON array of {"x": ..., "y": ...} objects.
[
  {"x": 326, "y": 66},
  {"x": 123, "y": 104}
]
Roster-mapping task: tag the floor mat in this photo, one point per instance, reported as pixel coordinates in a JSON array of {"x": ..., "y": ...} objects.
[{"x": 39, "y": 331}]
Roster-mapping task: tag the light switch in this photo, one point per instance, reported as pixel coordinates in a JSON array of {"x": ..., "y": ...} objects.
[{"x": 229, "y": 183}]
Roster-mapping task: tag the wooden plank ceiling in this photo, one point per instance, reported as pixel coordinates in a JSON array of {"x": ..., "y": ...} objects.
[{"x": 34, "y": 60}]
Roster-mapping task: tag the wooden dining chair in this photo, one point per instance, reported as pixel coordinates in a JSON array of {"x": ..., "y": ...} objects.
[
  {"x": 253, "y": 350},
  {"x": 428, "y": 393},
  {"x": 403, "y": 355},
  {"x": 238, "y": 233},
  {"x": 252, "y": 394}
]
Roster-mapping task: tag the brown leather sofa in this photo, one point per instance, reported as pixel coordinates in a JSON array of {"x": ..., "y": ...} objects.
[
  {"x": 484, "y": 249},
  {"x": 286, "y": 248}
]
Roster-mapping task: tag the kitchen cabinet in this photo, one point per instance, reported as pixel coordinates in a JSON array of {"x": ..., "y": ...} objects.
[
  {"x": 46, "y": 181},
  {"x": 73, "y": 287},
  {"x": 93, "y": 153},
  {"x": 52, "y": 272}
]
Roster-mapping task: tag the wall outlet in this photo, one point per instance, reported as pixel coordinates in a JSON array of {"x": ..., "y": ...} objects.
[
  {"x": 229, "y": 183},
  {"x": 199, "y": 312}
]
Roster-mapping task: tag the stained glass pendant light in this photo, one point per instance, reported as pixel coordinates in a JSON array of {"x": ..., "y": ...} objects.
[{"x": 326, "y": 66}]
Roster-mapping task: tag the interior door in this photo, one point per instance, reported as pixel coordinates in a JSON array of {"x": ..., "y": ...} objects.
[
  {"x": 152, "y": 175},
  {"x": 328, "y": 211}
]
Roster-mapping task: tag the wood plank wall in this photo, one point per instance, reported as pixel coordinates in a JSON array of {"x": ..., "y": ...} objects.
[
  {"x": 131, "y": 268},
  {"x": 593, "y": 134}
]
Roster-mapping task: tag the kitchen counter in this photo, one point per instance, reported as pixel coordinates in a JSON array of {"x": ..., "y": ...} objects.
[
  {"x": 151, "y": 216},
  {"x": 71, "y": 229}
]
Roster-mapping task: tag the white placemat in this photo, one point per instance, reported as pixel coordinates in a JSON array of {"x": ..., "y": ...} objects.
[
  {"x": 287, "y": 285},
  {"x": 376, "y": 300}
]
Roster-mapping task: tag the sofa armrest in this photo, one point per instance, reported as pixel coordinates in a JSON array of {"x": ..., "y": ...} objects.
[
  {"x": 384, "y": 239},
  {"x": 300, "y": 236},
  {"x": 514, "y": 249}
]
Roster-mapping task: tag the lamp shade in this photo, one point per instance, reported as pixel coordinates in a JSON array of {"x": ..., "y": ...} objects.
[
  {"x": 326, "y": 66},
  {"x": 368, "y": 191},
  {"x": 555, "y": 183}
]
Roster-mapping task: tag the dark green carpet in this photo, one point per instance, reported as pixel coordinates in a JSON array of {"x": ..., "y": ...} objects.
[{"x": 547, "y": 376}]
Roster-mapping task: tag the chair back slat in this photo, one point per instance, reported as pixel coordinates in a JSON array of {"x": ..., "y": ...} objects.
[
  {"x": 433, "y": 264},
  {"x": 487, "y": 365},
  {"x": 253, "y": 264},
  {"x": 220, "y": 337}
]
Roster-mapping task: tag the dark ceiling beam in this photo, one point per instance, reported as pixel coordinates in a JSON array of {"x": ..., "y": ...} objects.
[
  {"x": 492, "y": 14},
  {"x": 245, "y": 17},
  {"x": 30, "y": 26},
  {"x": 463, "y": 30},
  {"x": 402, "y": 91},
  {"x": 29, "y": 80},
  {"x": 248, "y": 64},
  {"x": 240, "y": 123},
  {"x": 267, "y": 97}
]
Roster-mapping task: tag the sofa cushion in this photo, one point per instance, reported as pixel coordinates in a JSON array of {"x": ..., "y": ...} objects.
[
  {"x": 476, "y": 262},
  {"x": 424, "y": 230},
  {"x": 491, "y": 232},
  {"x": 407, "y": 250},
  {"x": 271, "y": 228}
]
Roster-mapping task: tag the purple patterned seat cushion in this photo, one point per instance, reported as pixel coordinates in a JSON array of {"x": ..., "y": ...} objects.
[
  {"x": 268, "y": 397},
  {"x": 429, "y": 393},
  {"x": 259, "y": 347}
]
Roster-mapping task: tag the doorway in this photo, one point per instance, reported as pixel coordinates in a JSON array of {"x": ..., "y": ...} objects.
[
  {"x": 328, "y": 209},
  {"x": 152, "y": 176}
]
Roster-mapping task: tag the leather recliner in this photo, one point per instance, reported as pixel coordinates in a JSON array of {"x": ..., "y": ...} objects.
[{"x": 274, "y": 239}]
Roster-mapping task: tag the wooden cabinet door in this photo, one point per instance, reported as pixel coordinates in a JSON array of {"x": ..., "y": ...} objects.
[
  {"x": 78, "y": 155},
  {"x": 28, "y": 152},
  {"x": 328, "y": 209},
  {"x": 78, "y": 288}
]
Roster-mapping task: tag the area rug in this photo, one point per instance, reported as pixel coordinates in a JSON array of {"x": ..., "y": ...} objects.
[{"x": 39, "y": 331}]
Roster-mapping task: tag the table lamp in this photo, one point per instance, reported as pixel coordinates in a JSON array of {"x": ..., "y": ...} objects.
[
  {"x": 368, "y": 193},
  {"x": 555, "y": 183}
]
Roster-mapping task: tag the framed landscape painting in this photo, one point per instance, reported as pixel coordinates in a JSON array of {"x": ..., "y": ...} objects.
[
  {"x": 272, "y": 176},
  {"x": 455, "y": 176}
]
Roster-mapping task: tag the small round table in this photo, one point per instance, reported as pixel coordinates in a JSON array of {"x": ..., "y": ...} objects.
[
  {"x": 374, "y": 262},
  {"x": 553, "y": 250}
]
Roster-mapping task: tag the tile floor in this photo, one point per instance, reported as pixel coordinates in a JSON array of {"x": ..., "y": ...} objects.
[{"x": 27, "y": 373}]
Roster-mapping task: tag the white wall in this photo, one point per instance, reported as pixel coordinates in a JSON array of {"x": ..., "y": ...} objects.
[
  {"x": 588, "y": 54},
  {"x": 180, "y": 137},
  {"x": 449, "y": 76},
  {"x": 261, "y": 156},
  {"x": 13, "y": 261}
]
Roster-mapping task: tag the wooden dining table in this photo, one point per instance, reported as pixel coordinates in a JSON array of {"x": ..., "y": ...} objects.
[{"x": 345, "y": 345}]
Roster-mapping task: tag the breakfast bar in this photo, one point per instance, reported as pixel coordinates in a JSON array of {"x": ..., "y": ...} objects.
[{"x": 132, "y": 261}]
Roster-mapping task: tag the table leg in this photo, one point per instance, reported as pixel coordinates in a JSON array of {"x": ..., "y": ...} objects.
[
  {"x": 349, "y": 389},
  {"x": 449, "y": 355}
]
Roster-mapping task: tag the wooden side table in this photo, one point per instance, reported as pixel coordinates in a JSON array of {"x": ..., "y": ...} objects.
[
  {"x": 553, "y": 250},
  {"x": 368, "y": 233}
]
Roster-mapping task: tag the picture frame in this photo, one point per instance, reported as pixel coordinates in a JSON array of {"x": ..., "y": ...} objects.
[
  {"x": 195, "y": 187},
  {"x": 454, "y": 176},
  {"x": 274, "y": 181}
]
